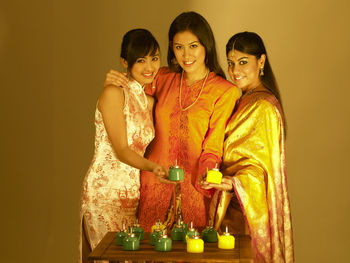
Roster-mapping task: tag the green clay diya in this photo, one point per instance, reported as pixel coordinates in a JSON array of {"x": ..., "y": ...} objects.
[{"x": 176, "y": 173}]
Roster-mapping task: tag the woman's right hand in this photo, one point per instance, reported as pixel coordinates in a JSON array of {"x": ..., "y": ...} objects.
[
  {"x": 116, "y": 78},
  {"x": 160, "y": 171}
]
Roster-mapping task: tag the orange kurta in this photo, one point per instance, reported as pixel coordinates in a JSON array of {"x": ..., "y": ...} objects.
[{"x": 194, "y": 137}]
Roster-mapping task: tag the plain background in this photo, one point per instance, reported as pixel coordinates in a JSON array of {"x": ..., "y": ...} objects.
[{"x": 54, "y": 56}]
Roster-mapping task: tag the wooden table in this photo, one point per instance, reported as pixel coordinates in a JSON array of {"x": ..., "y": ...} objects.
[{"x": 108, "y": 250}]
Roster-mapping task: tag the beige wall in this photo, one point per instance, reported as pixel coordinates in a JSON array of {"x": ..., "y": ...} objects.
[{"x": 54, "y": 57}]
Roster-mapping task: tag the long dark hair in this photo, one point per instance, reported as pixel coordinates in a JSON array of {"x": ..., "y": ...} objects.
[
  {"x": 252, "y": 44},
  {"x": 195, "y": 23},
  {"x": 138, "y": 43}
]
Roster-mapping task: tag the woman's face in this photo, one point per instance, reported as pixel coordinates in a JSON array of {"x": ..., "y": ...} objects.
[
  {"x": 189, "y": 53},
  {"x": 145, "y": 68},
  {"x": 244, "y": 69}
]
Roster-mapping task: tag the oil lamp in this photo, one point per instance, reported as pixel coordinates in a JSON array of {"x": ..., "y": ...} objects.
[
  {"x": 163, "y": 244},
  {"x": 195, "y": 244},
  {"x": 131, "y": 242},
  {"x": 121, "y": 235},
  {"x": 176, "y": 173},
  {"x": 226, "y": 240},
  {"x": 214, "y": 175}
]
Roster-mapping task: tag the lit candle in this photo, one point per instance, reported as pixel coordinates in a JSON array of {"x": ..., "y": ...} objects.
[
  {"x": 189, "y": 233},
  {"x": 163, "y": 244},
  {"x": 209, "y": 234},
  {"x": 214, "y": 175},
  {"x": 177, "y": 231},
  {"x": 121, "y": 235},
  {"x": 195, "y": 244},
  {"x": 176, "y": 173},
  {"x": 153, "y": 237},
  {"x": 138, "y": 230},
  {"x": 131, "y": 242},
  {"x": 226, "y": 241}
]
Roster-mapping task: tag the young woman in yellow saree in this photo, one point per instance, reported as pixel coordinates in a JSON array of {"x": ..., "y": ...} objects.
[{"x": 253, "y": 195}]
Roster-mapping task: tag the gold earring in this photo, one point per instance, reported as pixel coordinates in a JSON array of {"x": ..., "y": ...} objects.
[{"x": 261, "y": 71}]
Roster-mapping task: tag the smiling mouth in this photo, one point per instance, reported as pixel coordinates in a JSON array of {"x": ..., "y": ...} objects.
[
  {"x": 147, "y": 75},
  {"x": 188, "y": 63}
]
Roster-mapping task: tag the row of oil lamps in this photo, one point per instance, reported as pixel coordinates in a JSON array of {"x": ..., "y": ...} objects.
[
  {"x": 130, "y": 240},
  {"x": 180, "y": 232}
]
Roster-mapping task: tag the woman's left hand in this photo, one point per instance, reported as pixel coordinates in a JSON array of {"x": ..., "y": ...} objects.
[{"x": 226, "y": 184}]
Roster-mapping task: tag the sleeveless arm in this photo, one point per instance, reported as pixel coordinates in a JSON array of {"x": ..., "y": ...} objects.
[{"x": 111, "y": 105}]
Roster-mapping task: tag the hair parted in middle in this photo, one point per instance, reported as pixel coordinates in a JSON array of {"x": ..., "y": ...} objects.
[
  {"x": 196, "y": 24},
  {"x": 252, "y": 44}
]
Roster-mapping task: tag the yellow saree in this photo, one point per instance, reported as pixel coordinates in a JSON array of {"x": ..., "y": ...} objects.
[{"x": 254, "y": 155}]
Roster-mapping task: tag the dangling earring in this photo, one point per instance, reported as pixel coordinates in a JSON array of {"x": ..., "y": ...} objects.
[{"x": 261, "y": 71}]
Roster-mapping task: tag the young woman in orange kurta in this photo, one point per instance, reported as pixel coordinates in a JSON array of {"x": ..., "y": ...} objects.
[
  {"x": 194, "y": 102},
  {"x": 192, "y": 134}
]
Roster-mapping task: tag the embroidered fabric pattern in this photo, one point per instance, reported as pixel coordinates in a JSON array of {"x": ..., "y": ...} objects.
[
  {"x": 255, "y": 154},
  {"x": 110, "y": 193},
  {"x": 179, "y": 150}
]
